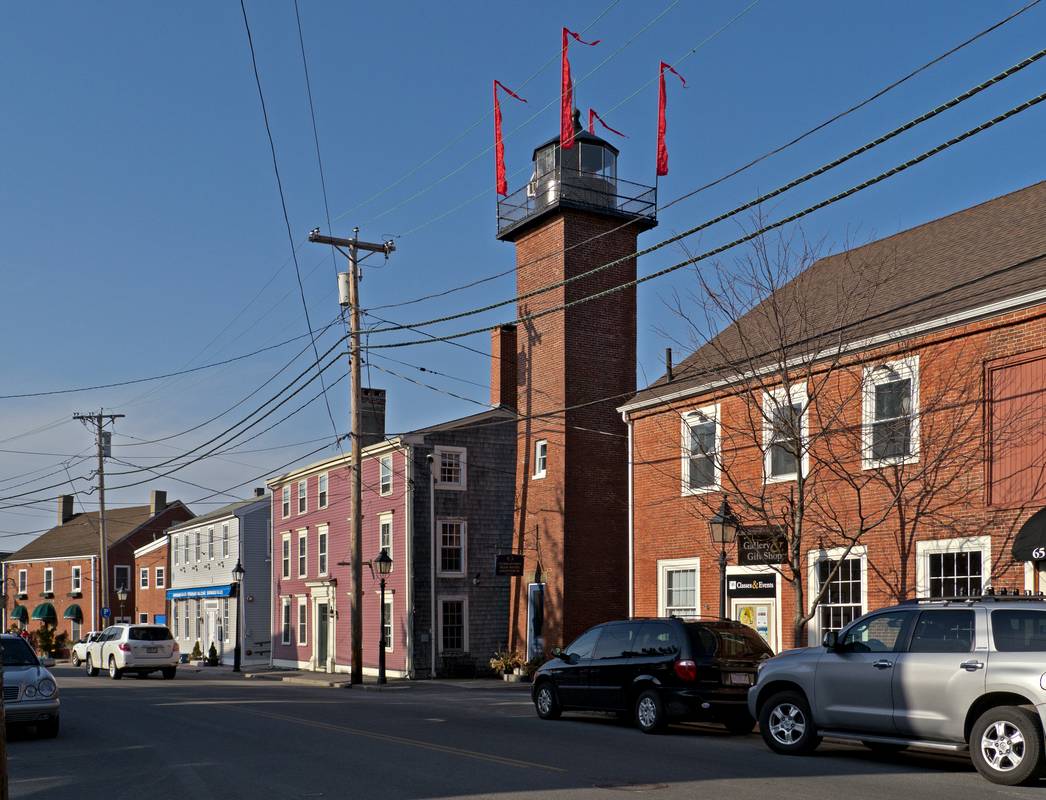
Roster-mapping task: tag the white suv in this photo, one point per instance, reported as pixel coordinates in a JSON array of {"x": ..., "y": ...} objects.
[
  {"x": 140, "y": 649},
  {"x": 79, "y": 652}
]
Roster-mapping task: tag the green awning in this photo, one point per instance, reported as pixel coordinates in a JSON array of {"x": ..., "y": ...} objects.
[
  {"x": 74, "y": 613},
  {"x": 20, "y": 613},
  {"x": 45, "y": 613}
]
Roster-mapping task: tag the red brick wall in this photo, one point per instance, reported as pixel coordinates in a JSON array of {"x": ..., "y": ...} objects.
[
  {"x": 61, "y": 599},
  {"x": 151, "y": 601}
]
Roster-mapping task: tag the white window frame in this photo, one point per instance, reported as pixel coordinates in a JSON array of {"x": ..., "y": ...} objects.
[
  {"x": 303, "y": 496},
  {"x": 440, "y": 522},
  {"x": 322, "y": 550},
  {"x": 774, "y": 399},
  {"x": 196, "y": 545},
  {"x": 185, "y": 549},
  {"x": 175, "y": 628},
  {"x": 540, "y": 459},
  {"x": 143, "y": 577},
  {"x": 161, "y": 578},
  {"x": 462, "y": 483},
  {"x": 23, "y": 581},
  {"x": 813, "y": 560},
  {"x": 299, "y": 556},
  {"x": 225, "y": 619},
  {"x": 116, "y": 571},
  {"x": 385, "y": 463},
  {"x": 76, "y": 576},
  {"x": 303, "y": 622},
  {"x": 285, "y": 555},
  {"x": 174, "y": 547},
  {"x": 225, "y": 540},
  {"x": 666, "y": 565},
  {"x": 962, "y": 544},
  {"x": 874, "y": 376},
  {"x": 386, "y": 519},
  {"x": 285, "y": 501},
  {"x": 285, "y": 620},
  {"x": 210, "y": 543},
  {"x": 48, "y": 580},
  {"x": 464, "y": 620},
  {"x": 390, "y": 597},
  {"x": 143, "y": 618},
  {"x": 323, "y": 490},
  {"x": 709, "y": 413}
]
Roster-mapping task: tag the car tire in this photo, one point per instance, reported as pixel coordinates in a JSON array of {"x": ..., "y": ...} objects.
[
  {"x": 787, "y": 725},
  {"x": 114, "y": 671},
  {"x": 169, "y": 672},
  {"x": 885, "y": 748},
  {"x": 75, "y": 659},
  {"x": 1006, "y": 746},
  {"x": 739, "y": 723},
  {"x": 650, "y": 712},
  {"x": 546, "y": 701},
  {"x": 48, "y": 729},
  {"x": 90, "y": 668}
]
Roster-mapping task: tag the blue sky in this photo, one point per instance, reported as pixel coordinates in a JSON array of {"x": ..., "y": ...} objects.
[{"x": 141, "y": 230}]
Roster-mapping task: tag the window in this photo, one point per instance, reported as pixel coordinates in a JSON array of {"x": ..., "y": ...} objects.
[
  {"x": 321, "y": 490},
  {"x": 451, "y": 547},
  {"x": 285, "y": 628},
  {"x": 76, "y": 581},
  {"x": 953, "y": 567},
  {"x": 303, "y": 504},
  {"x": 585, "y": 644},
  {"x": 882, "y": 633},
  {"x": 174, "y": 618},
  {"x": 385, "y": 533},
  {"x": 198, "y": 608},
  {"x": 451, "y": 468},
  {"x": 844, "y": 599},
  {"x": 225, "y": 619},
  {"x": 943, "y": 632},
  {"x": 143, "y": 617},
  {"x": 185, "y": 548},
  {"x": 23, "y": 581},
  {"x": 185, "y": 614},
  {"x": 784, "y": 432},
  {"x": 121, "y": 577},
  {"x": 1019, "y": 631},
  {"x": 174, "y": 548},
  {"x": 540, "y": 458},
  {"x": 303, "y": 620},
  {"x": 161, "y": 578},
  {"x": 453, "y": 627},
  {"x": 386, "y": 474},
  {"x": 701, "y": 450},
  {"x": 617, "y": 641},
  {"x": 75, "y": 631},
  {"x": 286, "y": 498},
  {"x": 210, "y": 544},
  {"x": 387, "y": 628},
  {"x": 143, "y": 578},
  {"x": 48, "y": 580},
  {"x": 321, "y": 549},
  {"x": 196, "y": 545},
  {"x": 891, "y": 420},
  {"x": 303, "y": 553},
  {"x": 225, "y": 540},
  {"x": 286, "y": 571},
  {"x": 678, "y": 587}
]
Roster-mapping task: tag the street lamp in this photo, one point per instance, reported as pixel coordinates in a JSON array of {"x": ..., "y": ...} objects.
[
  {"x": 384, "y": 564},
  {"x": 237, "y": 576},
  {"x": 723, "y": 526},
  {"x": 121, "y": 595}
]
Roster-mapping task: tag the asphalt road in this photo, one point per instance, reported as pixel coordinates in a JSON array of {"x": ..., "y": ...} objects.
[{"x": 202, "y": 737}]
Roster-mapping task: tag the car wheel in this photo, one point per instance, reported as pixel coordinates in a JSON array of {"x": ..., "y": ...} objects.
[
  {"x": 114, "y": 672},
  {"x": 168, "y": 673},
  {"x": 48, "y": 729},
  {"x": 546, "y": 701},
  {"x": 739, "y": 723},
  {"x": 1006, "y": 745},
  {"x": 75, "y": 659},
  {"x": 650, "y": 712},
  {"x": 885, "y": 748},
  {"x": 787, "y": 724},
  {"x": 91, "y": 669}
]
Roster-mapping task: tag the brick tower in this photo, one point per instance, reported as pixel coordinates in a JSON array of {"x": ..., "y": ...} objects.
[{"x": 571, "y": 521}]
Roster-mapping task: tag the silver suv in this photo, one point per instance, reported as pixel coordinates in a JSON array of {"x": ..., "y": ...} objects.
[{"x": 952, "y": 674}]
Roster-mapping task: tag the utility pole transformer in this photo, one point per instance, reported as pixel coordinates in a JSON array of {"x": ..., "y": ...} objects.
[
  {"x": 348, "y": 296},
  {"x": 103, "y": 439}
]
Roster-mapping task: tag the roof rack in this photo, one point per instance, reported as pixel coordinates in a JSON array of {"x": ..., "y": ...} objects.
[{"x": 989, "y": 596}]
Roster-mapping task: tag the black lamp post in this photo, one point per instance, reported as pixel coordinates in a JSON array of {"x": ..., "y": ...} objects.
[
  {"x": 723, "y": 526},
  {"x": 121, "y": 595},
  {"x": 384, "y": 564},
  {"x": 237, "y": 576}
]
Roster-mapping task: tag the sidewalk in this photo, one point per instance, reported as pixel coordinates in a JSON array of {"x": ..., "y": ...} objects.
[{"x": 341, "y": 680}]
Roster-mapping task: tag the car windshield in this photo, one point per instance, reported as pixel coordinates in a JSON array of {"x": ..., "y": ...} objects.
[
  {"x": 737, "y": 641},
  {"x": 17, "y": 653},
  {"x": 154, "y": 634}
]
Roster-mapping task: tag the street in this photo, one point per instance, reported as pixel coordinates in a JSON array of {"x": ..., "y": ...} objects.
[{"x": 225, "y": 737}]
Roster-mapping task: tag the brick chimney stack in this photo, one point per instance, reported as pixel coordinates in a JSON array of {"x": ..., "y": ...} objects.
[
  {"x": 65, "y": 508},
  {"x": 157, "y": 501},
  {"x": 372, "y": 416},
  {"x": 503, "y": 373}
]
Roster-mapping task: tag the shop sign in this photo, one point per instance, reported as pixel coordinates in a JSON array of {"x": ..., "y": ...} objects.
[
  {"x": 752, "y": 585},
  {"x": 762, "y": 547},
  {"x": 508, "y": 564}
]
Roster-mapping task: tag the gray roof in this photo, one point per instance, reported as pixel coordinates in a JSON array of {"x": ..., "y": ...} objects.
[
  {"x": 218, "y": 513},
  {"x": 501, "y": 413}
]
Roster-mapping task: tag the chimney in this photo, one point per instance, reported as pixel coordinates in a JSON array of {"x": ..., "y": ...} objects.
[
  {"x": 372, "y": 416},
  {"x": 259, "y": 491},
  {"x": 65, "y": 508},
  {"x": 157, "y": 501},
  {"x": 668, "y": 364},
  {"x": 503, "y": 370}
]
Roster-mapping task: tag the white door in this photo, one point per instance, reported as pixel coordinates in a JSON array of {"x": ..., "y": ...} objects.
[{"x": 758, "y": 613}]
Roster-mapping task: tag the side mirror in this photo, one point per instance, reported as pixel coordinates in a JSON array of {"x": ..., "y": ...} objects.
[
  {"x": 47, "y": 661},
  {"x": 557, "y": 652},
  {"x": 830, "y": 640}
]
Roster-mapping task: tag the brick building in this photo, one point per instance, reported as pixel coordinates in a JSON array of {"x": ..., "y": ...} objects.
[
  {"x": 151, "y": 572},
  {"x": 54, "y": 578},
  {"x": 575, "y": 215},
  {"x": 915, "y": 427}
]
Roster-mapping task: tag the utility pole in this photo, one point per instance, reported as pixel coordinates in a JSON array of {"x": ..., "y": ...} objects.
[
  {"x": 103, "y": 439},
  {"x": 348, "y": 295}
]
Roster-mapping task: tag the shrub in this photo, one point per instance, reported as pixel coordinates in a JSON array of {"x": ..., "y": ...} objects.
[{"x": 197, "y": 652}]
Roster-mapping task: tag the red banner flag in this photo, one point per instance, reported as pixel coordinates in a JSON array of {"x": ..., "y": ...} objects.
[
  {"x": 499, "y": 144},
  {"x": 566, "y": 96},
  {"x": 593, "y": 116},
  {"x": 662, "y": 150}
]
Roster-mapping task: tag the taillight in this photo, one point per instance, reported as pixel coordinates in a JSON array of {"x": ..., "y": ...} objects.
[
  {"x": 686, "y": 670},
  {"x": 175, "y": 648},
  {"x": 124, "y": 647}
]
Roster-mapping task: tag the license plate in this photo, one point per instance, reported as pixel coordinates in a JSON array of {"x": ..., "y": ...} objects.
[
  {"x": 152, "y": 649},
  {"x": 739, "y": 678}
]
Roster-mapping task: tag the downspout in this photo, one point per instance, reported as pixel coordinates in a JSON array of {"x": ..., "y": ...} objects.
[
  {"x": 408, "y": 548},
  {"x": 432, "y": 568},
  {"x": 94, "y": 595},
  {"x": 631, "y": 528}
]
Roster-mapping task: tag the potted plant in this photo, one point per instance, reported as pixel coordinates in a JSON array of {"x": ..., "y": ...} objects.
[
  {"x": 45, "y": 640},
  {"x": 507, "y": 663},
  {"x": 212, "y": 656},
  {"x": 197, "y": 653}
]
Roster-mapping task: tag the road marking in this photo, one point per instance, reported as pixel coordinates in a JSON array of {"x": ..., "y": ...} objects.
[
  {"x": 385, "y": 737},
  {"x": 512, "y": 703},
  {"x": 239, "y": 702}
]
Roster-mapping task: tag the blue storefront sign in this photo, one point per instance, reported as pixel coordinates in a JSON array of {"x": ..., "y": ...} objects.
[{"x": 200, "y": 591}]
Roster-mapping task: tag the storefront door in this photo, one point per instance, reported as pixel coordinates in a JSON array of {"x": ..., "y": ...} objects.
[{"x": 759, "y": 614}]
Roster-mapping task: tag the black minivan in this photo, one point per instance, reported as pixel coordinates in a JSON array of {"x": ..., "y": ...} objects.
[{"x": 656, "y": 671}]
